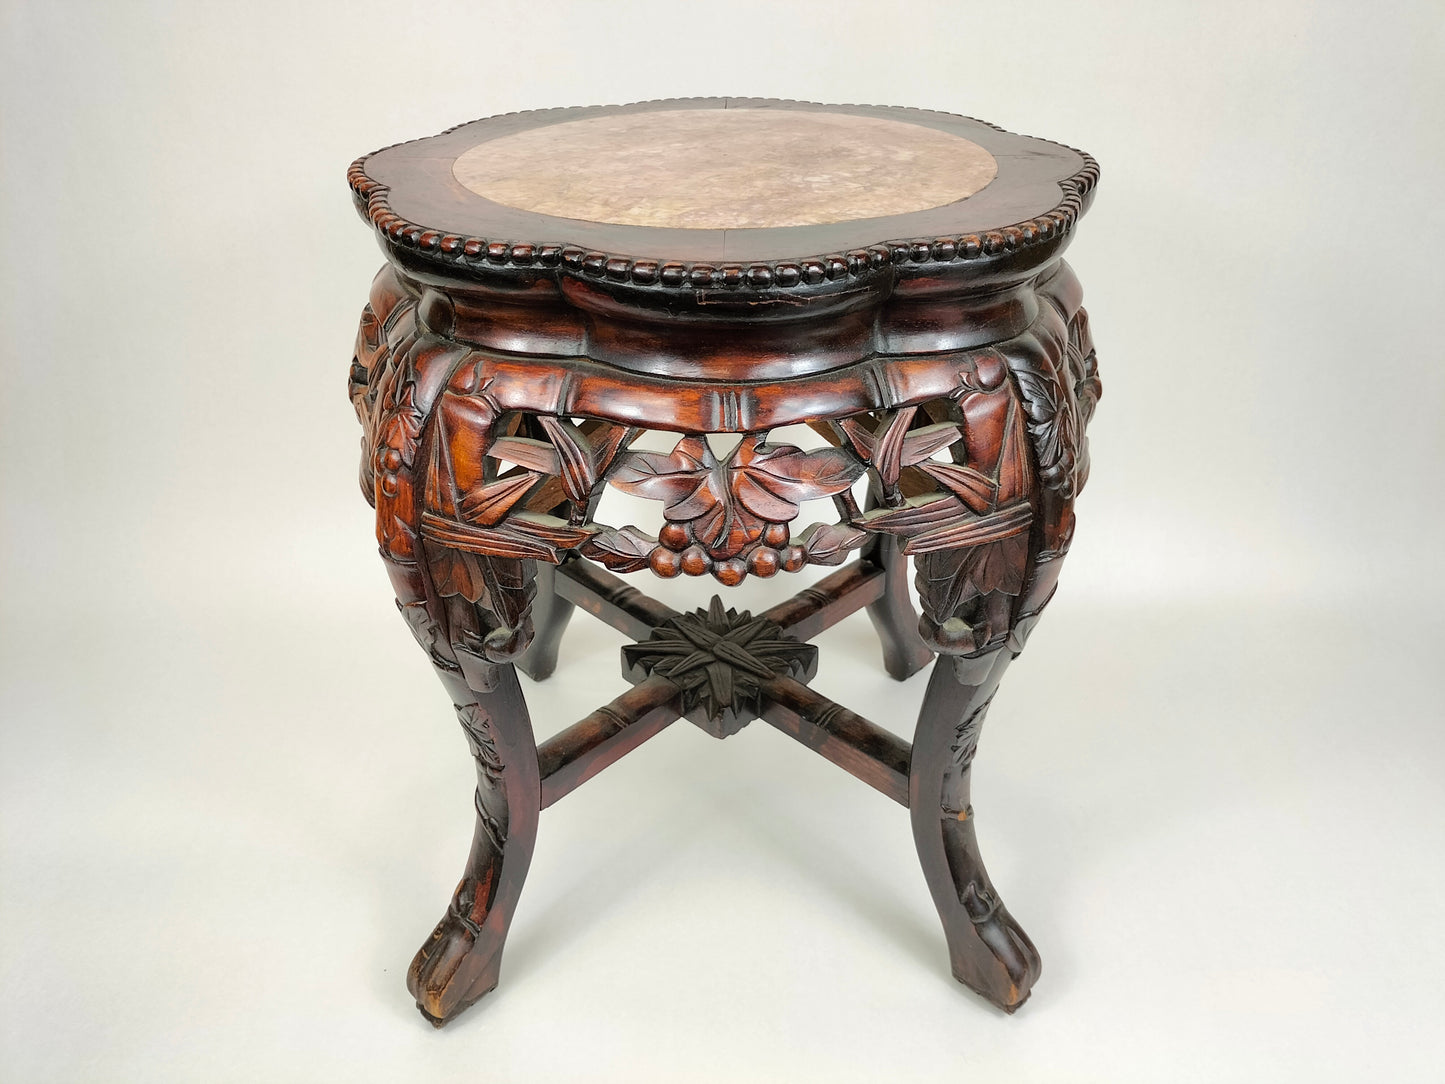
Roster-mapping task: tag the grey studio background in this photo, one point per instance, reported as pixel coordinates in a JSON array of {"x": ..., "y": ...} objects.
[{"x": 233, "y": 798}]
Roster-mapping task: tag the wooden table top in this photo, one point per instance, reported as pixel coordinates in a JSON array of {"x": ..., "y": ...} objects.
[{"x": 746, "y": 194}]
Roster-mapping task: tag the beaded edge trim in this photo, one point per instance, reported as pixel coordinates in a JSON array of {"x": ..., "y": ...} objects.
[{"x": 373, "y": 201}]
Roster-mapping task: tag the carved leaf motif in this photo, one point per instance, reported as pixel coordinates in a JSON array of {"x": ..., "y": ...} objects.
[
  {"x": 1051, "y": 424},
  {"x": 941, "y": 583},
  {"x": 579, "y": 456},
  {"x": 858, "y": 436},
  {"x": 524, "y": 534},
  {"x": 402, "y": 426},
  {"x": 757, "y": 492},
  {"x": 714, "y": 526},
  {"x": 973, "y": 487},
  {"x": 1084, "y": 371},
  {"x": 400, "y": 535},
  {"x": 896, "y": 447},
  {"x": 366, "y": 365},
  {"x": 888, "y": 446},
  {"x": 830, "y": 543},
  {"x": 1084, "y": 365},
  {"x": 724, "y": 502},
  {"x": 682, "y": 479},
  {"x": 535, "y": 455},
  {"x": 478, "y": 726},
  {"x": 999, "y": 566},
  {"x": 787, "y": 476},
  {"x": 487, "y": 504},
  {"x": 624, "y": 550},
  {"x": 500, "y": 583},
  {"x": 606, "y": 441},
  {"x": 510, "y": 589},
  {"x": 689, "y": 482},
  {"x": 578, "y": 469},
  {"x": 954, "y": 572},
  {"x": 1089, "y": 388},
  {"x": 922, "y": 443},
  {"x": 427, "y": 632},
  {"x": 974, "y": 530},
  {"x": 555, "y": 534},
  {"x": 918, "y": 516},
  {"x": 455, "y": 572},
  {"x": 965, "y": 735}
]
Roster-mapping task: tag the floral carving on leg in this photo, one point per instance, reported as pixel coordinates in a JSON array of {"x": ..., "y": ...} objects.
[
  {"x": 1061, "y": 393},
  {"x": 372, "y": 367}
]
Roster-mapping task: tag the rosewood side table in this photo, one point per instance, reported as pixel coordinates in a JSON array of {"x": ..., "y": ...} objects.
[{"x": 559, "y": 282}]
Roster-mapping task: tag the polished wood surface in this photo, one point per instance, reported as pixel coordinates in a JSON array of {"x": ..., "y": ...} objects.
[
  {"x": 411, "y": 188},
  {"x": 503, "y": 386}
]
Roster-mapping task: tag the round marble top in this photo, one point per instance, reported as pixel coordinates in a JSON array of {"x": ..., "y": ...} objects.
[
  {"x": 726, "y": 168},
  {"x": 688, "y": 194}
]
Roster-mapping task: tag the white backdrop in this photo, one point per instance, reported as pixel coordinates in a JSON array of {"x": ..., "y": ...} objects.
[{"x": 233, "y": 800}]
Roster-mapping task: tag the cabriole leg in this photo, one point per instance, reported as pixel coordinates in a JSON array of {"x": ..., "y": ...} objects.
[{"x": 989, "y": 952}]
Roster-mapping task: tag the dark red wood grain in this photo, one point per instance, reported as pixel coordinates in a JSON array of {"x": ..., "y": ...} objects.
[{"x": 505, "y": 367}]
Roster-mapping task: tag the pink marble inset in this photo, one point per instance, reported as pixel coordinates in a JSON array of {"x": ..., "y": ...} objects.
[{"x": 726, "y": 168}]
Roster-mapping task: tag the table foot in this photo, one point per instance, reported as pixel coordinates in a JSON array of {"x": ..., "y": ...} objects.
[
  {"x": 550, "y": 614},
  {"x": 455, "y": 967},
  {"x": 988, "y": 950},
  {"x": 893, "y": 616}
]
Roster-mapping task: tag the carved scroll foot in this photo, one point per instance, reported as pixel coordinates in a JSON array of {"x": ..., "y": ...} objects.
[
  {"x": 461, "y": 960},
  {"x": 454, "y": 968},
  {"x": 893, "y": 616},
  {"x": 550, "y": 614},
  {"x": 989, "y": 952}
]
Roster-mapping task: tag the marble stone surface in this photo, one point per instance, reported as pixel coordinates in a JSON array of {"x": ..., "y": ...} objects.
[{"x": 726, "y": 168}]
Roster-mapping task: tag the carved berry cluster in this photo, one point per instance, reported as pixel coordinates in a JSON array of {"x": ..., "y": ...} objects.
[{"x": 680, "y": 551}]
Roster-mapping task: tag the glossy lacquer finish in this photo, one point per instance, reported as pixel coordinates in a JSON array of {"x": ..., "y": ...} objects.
[{"x": 508, "y": 362}]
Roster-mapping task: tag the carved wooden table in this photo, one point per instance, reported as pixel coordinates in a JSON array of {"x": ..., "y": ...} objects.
[{"x": 560, "y": 281}]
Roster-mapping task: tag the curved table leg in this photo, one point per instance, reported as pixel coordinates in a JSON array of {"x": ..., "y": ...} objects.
[
  {"x": 550, "y": 614},
  {"x": 989, "y": 952},
  {"x": 461, "y": 960},
  {"x": 893, "y": 616}
]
